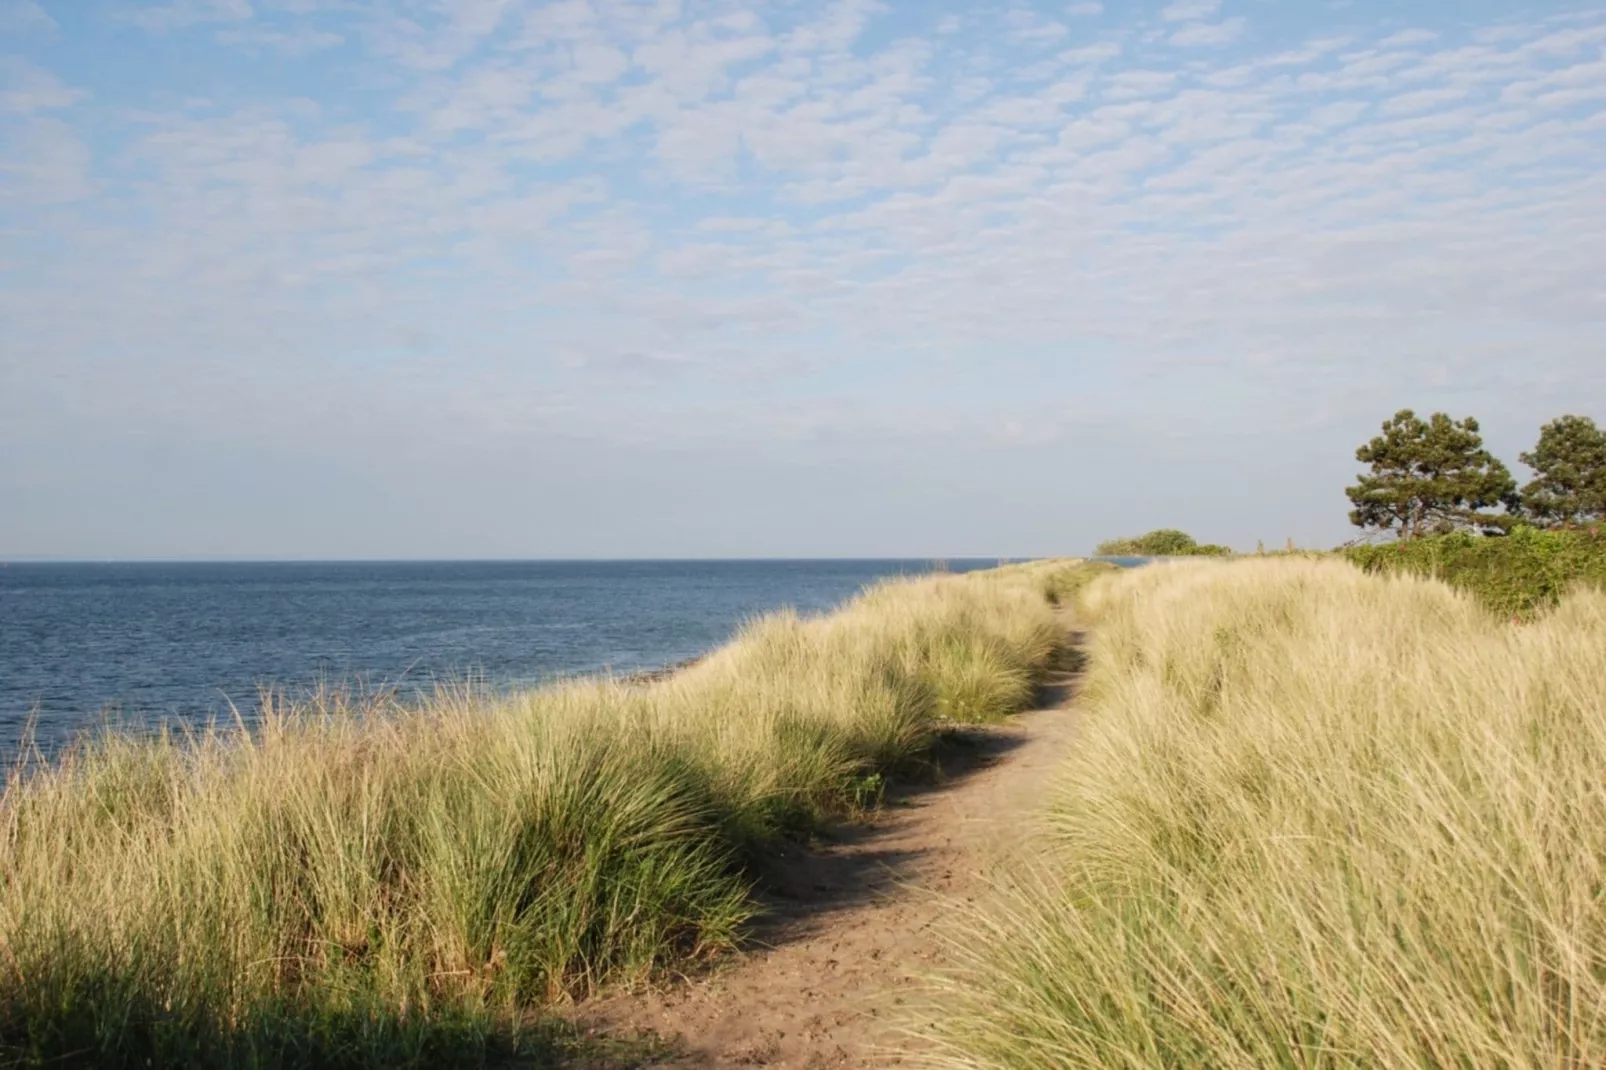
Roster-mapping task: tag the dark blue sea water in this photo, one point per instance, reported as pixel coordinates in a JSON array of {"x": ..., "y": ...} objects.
[{"x": 154, "y": 641}]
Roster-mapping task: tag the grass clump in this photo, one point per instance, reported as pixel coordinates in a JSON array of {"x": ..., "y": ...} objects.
[
  {"x": 383, "y": 884},
  {"x": 1515, "y": 575},
  {"x": 1317, "y": 818}
]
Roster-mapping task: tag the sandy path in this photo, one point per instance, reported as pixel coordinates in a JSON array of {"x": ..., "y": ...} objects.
[{"x": 853, "y": 926}]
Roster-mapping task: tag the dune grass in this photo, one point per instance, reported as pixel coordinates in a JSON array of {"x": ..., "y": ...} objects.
[
  {"x": 383, "y": 884},
  {"x": 1318, "y": 819}
]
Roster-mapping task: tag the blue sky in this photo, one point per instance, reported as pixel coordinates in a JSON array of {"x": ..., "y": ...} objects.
[{"x": 595, "y": 278}]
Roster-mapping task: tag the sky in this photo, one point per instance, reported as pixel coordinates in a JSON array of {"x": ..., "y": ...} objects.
[{"x": 723, "y": 278}]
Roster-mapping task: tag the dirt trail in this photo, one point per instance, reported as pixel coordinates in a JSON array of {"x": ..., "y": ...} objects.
[{"x": 853, "y": 921}]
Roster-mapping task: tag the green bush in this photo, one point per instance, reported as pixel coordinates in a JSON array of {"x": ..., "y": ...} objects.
[
  {"x": 1514, "y": 575},
  {"x": 1163, "y": 542}
]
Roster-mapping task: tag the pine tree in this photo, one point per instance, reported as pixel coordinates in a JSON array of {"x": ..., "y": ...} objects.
[
  {"x": 1429, "y": 476},
  {"x": 1569, "y": 462}
]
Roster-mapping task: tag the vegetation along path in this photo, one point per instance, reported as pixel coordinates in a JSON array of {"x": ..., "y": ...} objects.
[{"x": 835, "y": 978}]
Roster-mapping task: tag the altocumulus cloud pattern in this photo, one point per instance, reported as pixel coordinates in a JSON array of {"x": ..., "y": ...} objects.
[{"x": 471, "y": 232}]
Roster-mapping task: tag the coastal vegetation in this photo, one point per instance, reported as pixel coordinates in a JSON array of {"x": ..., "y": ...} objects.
[
  {"x": 1429, "y": 489},
  {"x": 1317, "y": 818},
  {"x": 1517, "y": 575},
  {"x": 1329, "y": 809},
  {"x": 379, "y": 883},
  {"x": 1163, "y": 542},
  {"x": 1431, "y": 483},
  {"x": 1434, "y": 476}
]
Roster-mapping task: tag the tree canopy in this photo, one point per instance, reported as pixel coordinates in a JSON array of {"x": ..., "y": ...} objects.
[
  {"x": 1569, "y": 462},
  {"x": 1429, "y": 475}
]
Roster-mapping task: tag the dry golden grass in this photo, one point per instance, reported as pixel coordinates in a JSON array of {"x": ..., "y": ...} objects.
[
  {"x": 379, "y": 884},
  {"x": 1319, "y": 819}
]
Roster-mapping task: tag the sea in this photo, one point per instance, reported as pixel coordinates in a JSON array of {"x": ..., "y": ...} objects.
[{"x": 83, "y": 645}]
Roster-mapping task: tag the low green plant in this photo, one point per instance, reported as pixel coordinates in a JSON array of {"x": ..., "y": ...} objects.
[
  {"x": 1515, "y": 575},
  {"x": 868, "y": 790}
]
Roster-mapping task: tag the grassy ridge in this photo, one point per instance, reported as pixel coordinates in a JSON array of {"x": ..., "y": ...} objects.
[
  {"x": 1516, "y": 575},
  {"x": 392, "y": 886},
  {"x": 1318, "y": 819}
]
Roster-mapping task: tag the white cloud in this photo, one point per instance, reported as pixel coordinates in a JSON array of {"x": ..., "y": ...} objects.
[
  {"x": 1085, "y": 10},
  {"x": 1187, "y": 10},
  {"x": 1420, "y": 101},
  {"x": 299, "y": 41},
  {"x": 42, "y": 162},
  {"x": 1091, "y": 54},
  {"x": 1338, "y": 113},
  {"x": 1026, "y": 27},
  {"x": 1407, "y": 38},
  {"x": 1209, "y": 33},
  {"x": 181, "y": 14},
  {"x": 26, "y": 88}
]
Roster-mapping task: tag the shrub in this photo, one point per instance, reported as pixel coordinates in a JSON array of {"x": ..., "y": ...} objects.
[
  {"x": 1514, "y": 575},
  {"x": 1164, "y": 542}
]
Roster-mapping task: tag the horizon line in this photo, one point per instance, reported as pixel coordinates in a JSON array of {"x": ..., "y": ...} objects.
[{"x": 47, "y": 560}]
